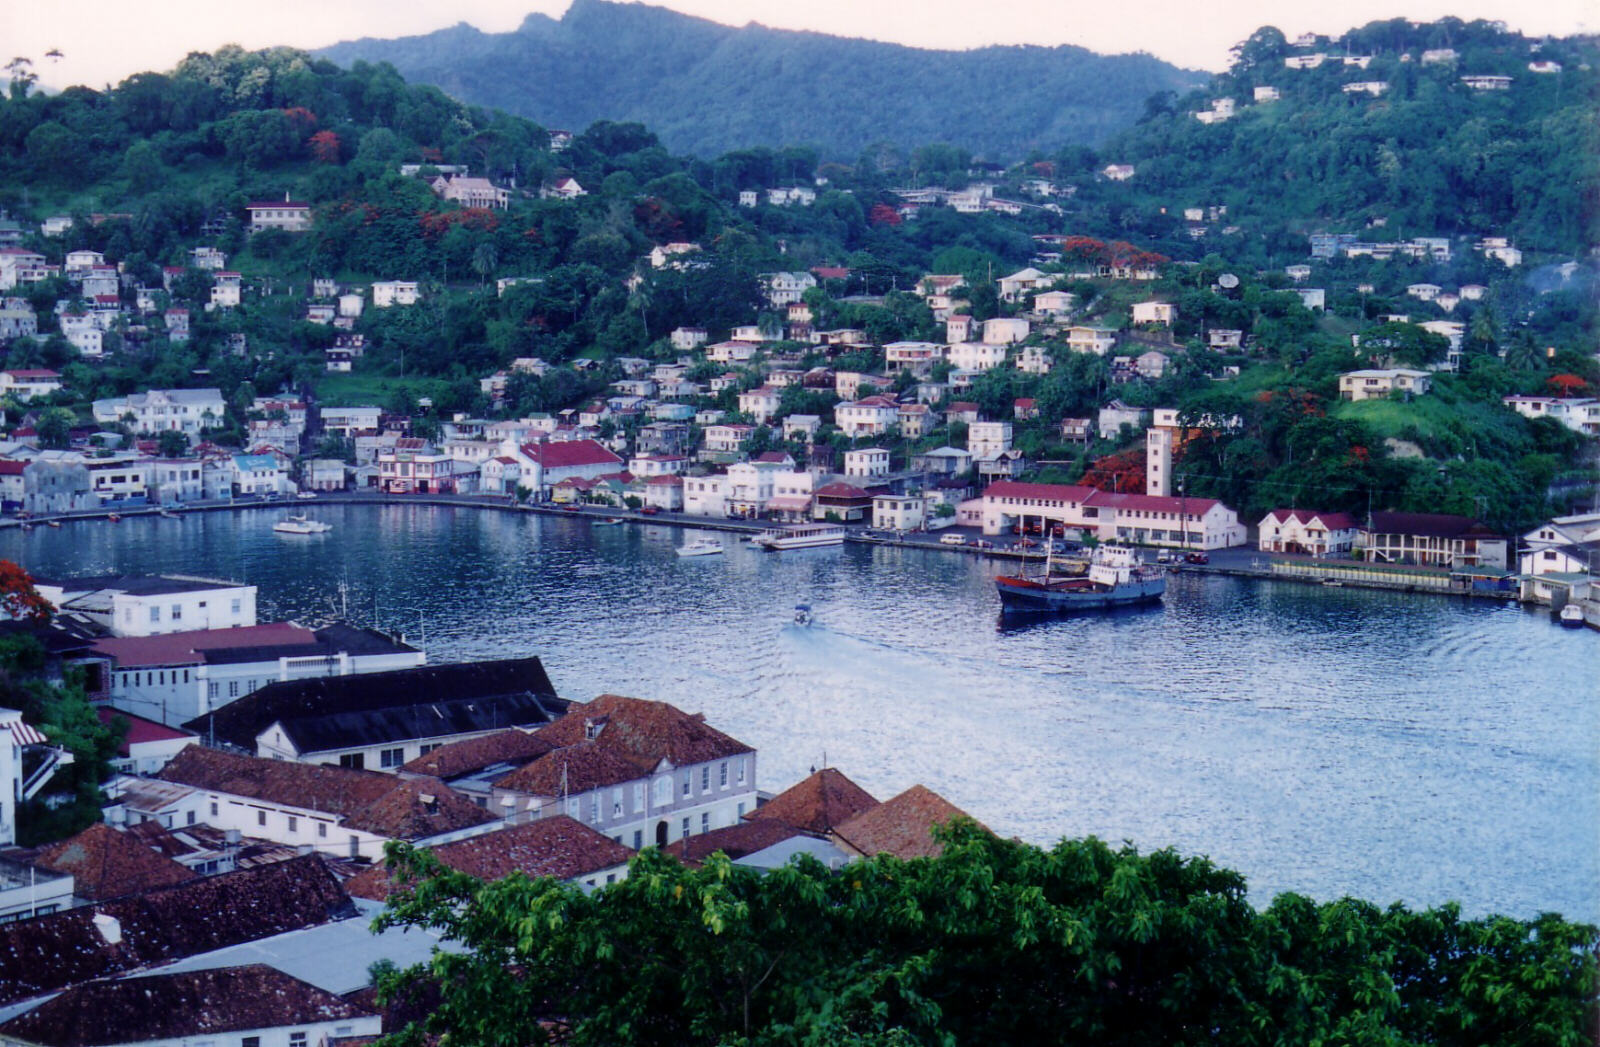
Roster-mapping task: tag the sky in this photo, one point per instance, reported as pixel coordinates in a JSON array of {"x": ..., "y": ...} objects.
[{"x": 103, "y": 41}]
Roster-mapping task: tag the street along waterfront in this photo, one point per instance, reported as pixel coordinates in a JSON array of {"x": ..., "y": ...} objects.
[{"x": 1330, "y": 741}]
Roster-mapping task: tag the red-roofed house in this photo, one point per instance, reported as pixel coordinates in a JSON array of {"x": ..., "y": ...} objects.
[
  {"x": 558, "y": 847},
  {"x": 872, "y": 416},
  {"x": 148, "y": 746},
  {"x": 1142, "y": 519},
  {"x": 1307, "y": 532},
  {"x": 28, "y": 383},
  {"x": 547, "y": 463}
]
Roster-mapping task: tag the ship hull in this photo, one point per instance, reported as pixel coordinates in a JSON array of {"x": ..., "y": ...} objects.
[{"x": 1017, "y": 595}]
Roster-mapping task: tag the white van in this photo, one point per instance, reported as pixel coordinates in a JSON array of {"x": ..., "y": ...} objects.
[{"x": 952, "y": 539}]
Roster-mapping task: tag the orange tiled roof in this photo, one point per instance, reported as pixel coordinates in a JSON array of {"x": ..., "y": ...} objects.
[
  {"x": 818, "y": 803},
  {"x": 105, "y": 863},
  {"x": 901, "y": 826}
]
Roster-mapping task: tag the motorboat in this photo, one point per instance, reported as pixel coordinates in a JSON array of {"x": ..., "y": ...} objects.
[
  {"x": 301, "y": 525},
  {"x": 701, "y": 547},
  {"x": 802, "y": 614},
  {"x": 1571, "y": 616}
]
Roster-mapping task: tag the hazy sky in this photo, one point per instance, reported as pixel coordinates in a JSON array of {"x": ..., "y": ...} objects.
[{"x": 103, "y": 41}]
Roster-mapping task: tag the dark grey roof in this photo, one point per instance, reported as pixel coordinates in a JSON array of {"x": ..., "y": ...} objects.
[
  {"x": 48, "y": 953},
  {"x": 217, "y": 1000},
  {"x": 349, "y": 711},
  {"x": 331, "y": 641},
  {"x": 355, "y": 640},
  {"x": 137, "y": 584}
]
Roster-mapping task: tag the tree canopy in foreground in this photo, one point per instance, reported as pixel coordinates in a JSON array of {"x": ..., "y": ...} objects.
[{"x": 995, "y": 941}]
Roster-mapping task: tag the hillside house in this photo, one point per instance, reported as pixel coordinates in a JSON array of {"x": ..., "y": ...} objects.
[
  {"x": 286, "y": 215},
  {"x": 471, "y": 192},
  {"x": 872, "y": 416},
  {"x": 1379, "y": 383},
  {"x": 387, "y": 293}
]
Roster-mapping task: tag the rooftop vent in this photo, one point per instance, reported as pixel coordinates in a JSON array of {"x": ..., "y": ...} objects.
[{"x": 110, "y": 928}]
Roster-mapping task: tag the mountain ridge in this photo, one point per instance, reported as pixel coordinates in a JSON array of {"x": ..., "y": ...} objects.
[{"x": 708, "y": 88}]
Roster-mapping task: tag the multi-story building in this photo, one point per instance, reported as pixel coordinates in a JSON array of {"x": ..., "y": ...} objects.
[
  {"x": 135, "y": 605},
  {"x": 640, "y": 772},
  {"x": 183, "y": 410}
]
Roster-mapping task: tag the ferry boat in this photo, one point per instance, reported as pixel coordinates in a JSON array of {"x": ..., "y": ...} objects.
[
  {"x": 301, "y": 525},
  {"x": 1112, "y": 576},
  {"x": 800, "y": 536},
  {"x": 700, "y": 547}
]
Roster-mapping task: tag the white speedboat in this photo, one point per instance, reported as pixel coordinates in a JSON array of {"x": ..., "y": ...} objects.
[
  {"x": 1571, "y": 616},
  {"x": 701, "y": 547},
  {"x": 301, "y": 525}
]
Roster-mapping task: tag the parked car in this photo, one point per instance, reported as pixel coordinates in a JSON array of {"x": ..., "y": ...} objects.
[
  {"x": 1198, "y": 558},
  {"x": 650, "y": 510},
  {"x": 952, "y": 539},
  {"x": 1165, "y": 557}
]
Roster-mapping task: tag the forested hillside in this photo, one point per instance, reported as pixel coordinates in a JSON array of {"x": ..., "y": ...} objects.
[
  {"x": 1427, "y": 154},
  {"x": 707, "y": 88}
]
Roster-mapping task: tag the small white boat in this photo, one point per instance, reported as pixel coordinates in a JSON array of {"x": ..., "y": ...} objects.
[
  {"x": 1571, "y": 616},
  {"x": 803, "y": 536},
  {"x": 802, "y": 614},
  {"x": 301, "y": 525},
  {"x": 701, "y": 547}
]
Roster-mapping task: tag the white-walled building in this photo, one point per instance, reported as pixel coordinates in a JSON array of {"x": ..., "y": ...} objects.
[
  {"x": 1193, "y": 523},
  {"x": 133, "y": 605},
  {"x": 388, "y": 293},
  {"x": 183, "y": 410},
  {"x": 1307, "y": 532}
]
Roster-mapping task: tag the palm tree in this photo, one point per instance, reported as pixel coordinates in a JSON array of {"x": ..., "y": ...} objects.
[{"x": 484, "y": 260}]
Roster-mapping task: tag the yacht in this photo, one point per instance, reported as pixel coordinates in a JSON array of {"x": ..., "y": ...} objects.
[{"x": 301, "y": 525}]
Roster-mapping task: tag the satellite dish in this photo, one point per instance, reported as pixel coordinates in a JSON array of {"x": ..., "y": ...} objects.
[{"x": 1228, "y": 280}]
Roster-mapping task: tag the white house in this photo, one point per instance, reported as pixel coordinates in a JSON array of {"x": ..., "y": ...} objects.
[
  {"x": 899, "y": 512},
  {"x": 1307, "y": 532},
  {"x": 686, "y": 338},
  {"x": 1580, "y": 414},
  {"x": 285, "y": 214},
  {"x": 866, "y": 462},
  {"x": 1162, "y": 313},
  {"x": 1085, "y": 338},
  {"x": 760, "y": 403},
  {"x": 1054, "y": 303},
  {"x": 26, "y": 383},
  {"x": 872, "y": 416},
  {"x": 705, "y": 496},
  {"x": 977, "y": 356},
  {"x": 1378, "y": 383},
  {"x": 1019, "y": 283},
  {"x": 1004, "y": 330},
  {"x": 134, "y": 605},
  {"x": 783, "y": 288},
  {"x": 386, "y": 293},
  {"x": 183, "y": 410},
  {"x": 986, "y": 439}
]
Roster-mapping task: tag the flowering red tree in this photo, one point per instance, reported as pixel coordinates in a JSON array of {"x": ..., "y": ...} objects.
[
  {"x": 1566, "y": 384},
  {"x": 883, "y": 214},
  {"x": 18, "y": 598},
  {"x": 324, "y": 147}
]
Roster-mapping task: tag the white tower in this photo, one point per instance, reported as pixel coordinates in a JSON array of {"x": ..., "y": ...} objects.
[{"x": 1158, "y": 461}]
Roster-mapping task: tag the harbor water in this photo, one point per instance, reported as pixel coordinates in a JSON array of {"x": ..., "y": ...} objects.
[{"x": 1389, "y": 746}]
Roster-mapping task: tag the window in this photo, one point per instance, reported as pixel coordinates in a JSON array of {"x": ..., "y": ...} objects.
[
  {"x": 428, "y": 747},
  {"x": 722, "y": 775},
  {"x": 213, "y": 808},
  {"x": 238, "y": 605},
  {"x": 705, "y": 778},
  {"x": 322, "y": 829},
  {"x": 686, "y": 783},
  {"x": 190, "y": 819},
  {"x": 250, "y": 1041},
  {"x": 638, "y": 796},
  {"x": 638, "y": 839},
  {"x": 685, "y": 833},
  {"x": 294, "y": 824},
  {"x": 353, "y": 761},
  {"x": 392, "y": 757},
  {"x": 594, "y": 808},
  {"x": 739, "y": 766},
  {"x": 211, "y": 690},
  {"x": 155, "y": 614},
  {"x": 233, "y": 688},
  {"x": 177, "y": 611},
  {"x": 616, "y": 802},
  {"x": 298, "y": 1039},
  {"x": 741, "y": 809},
  {"x": 261, "y": 817},
  {"x": 663, "y": 791},
  {"x": 705, "y": 822}
]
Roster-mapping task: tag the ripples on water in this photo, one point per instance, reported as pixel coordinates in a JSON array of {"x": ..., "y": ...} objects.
[{"x": 1328, "y": 741}]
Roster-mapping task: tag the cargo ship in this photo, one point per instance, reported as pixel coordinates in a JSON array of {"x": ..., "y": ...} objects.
[{"x": 1112, "y": 576}]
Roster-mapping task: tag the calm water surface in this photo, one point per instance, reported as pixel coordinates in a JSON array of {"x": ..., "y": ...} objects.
[{"x": 1326, "y": 741}]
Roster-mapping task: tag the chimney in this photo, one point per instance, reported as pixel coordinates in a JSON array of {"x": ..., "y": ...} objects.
[{"x": 110, "y": 928}]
